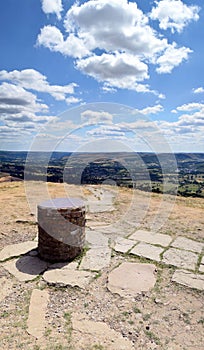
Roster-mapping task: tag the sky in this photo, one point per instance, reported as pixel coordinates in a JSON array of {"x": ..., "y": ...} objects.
[{"x": 102, "y": 75}]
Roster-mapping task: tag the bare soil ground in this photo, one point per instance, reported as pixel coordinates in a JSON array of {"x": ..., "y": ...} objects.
[{"x": 169, "y": 317}]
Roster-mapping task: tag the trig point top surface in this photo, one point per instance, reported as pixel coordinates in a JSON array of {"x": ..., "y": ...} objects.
[{"x": 62, "y": 203}]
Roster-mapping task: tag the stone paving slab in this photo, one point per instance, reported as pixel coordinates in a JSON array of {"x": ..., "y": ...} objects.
[
  {"x": 89, "y": 333},
  {"x": 120, "y": 229},
  {"x": 37, "y": 311},
  {"x": 14, "y": 250},
  {"x": 130, "y": 279},
  {"x": 96, "y": 238},
  {"x": 5, "y": 287},
  {"x": 96, "y": 259},
  {"x": 123, "y": 245},
  {"x": 26, "y": 268},
  {"x": 97, "y": 207},
  {"x": 201, "y": 269},
  {"x": 180, "y": 258},
  {"x": 64, "y": 265},
  {"x": 187, "y": 244},
  {"x": 189, "y": 279},
  {"x": 66, "y": 277},
  {"x": 147, "y": 251},
  {"x": 151, "y": 237}
]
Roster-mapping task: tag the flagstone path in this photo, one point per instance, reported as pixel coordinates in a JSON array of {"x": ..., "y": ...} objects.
[{"x": 128, "y": 279}]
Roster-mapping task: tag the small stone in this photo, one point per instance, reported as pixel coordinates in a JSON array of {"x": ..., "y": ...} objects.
[
  {"x": 96, "y": 259},
  {"x": 180, "y": 258},
  {"x": 131, "y": 278},
  {"x": 189, "y": 279},
  {"x": 15, "y": 250},
  {"x": 26, "y": 268},
  {"x": 5, "y": 288},
  {"x": 37, "y": 310},
  {"x": 158, "y": 301},
  {"x": 147, "y": 251},
  {"x": 66, "y": 277},
  {"x": 188, "y": 244},
  {"x": 151, "y": 237},
  {"x": 122, "y": 245}
]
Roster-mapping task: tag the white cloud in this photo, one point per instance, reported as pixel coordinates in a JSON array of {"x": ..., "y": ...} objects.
[
  {"x": 171, "y": 58},
  {"x": 52, "y": 38},
  {"x": 113, "y": 41},
  {"x": 198, "y": 90},
  {"x": 108, "y": 89},
  {"x": 95, "y": 117},
  {"x": 190, "y": 107},
  {"x": 113, "y": 25},
  {"x": 151, "y": 109},
  {"x": 191, "y": 122},
  {"x": 20, "y": 109},
  {"x": 174, "y": 14},
  {"x": 120, "y": 70},
  {"x": 13, "y": 96},
  {"x": 71, "y": 100},
  {"x": 107, "y": 131},
  {"x": 33, "y": 80},
  {"x": 52, "y": 6}
]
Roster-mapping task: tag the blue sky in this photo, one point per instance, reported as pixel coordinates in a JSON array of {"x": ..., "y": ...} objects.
[{"x": 66, "y": 68}]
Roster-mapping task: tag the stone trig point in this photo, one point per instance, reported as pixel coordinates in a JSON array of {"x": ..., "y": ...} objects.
[{"x": 61, "y": 228}]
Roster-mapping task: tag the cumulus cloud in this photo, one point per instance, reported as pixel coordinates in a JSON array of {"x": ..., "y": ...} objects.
[
  {"x": 72, "y": 100},
  {"x": 33, "y": 80},
  {"x": 113, "y": 42},
  {"x": 107, "y": 131},
  {"x": 174, "y": 14},
  {"x": 52, "y": 6},
  {"x": 95, "y": 117},
  {"x": 120, "y": 70},
  {"x": 17, "y": 97},
  {"x": 172, "y": 57},
  {"x": 189, "y": 122},
  {"x": 198, "y": 90},
  {"x": 151, "y": 109},
  {"x": 21, "y": 109},
  {"x": 52, "y": 38},
  {"x": 188, "y": 107},
  {"x": 113, "y": 25}
]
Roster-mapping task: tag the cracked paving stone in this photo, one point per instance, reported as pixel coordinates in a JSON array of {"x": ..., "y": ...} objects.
[
  {"x": 123, "y": 245},
  {"x": 189, "y": 279},
  {"x": 180, "y": 258},
  {"x": 14, "y": 250},
  {"x": 151, "y": 237},
  {"x": 129, "y": 279},
  {"x": 26, "y": 268},
  {"x": 65, "y": 277},
  {"x": 147, "y": 251},
  {"x": 86, "y": 331},
  {"x": 96, "y": 259},
  {"x": 188, "y": 244},
  {"x": 37, "y": 311},
  {"x": 96, "y": 239}
]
